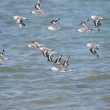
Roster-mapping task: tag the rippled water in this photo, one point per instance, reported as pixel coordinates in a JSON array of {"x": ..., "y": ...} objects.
[{"x": 26, "y": 83}]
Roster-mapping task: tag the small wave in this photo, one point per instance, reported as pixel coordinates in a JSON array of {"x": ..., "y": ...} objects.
[
  {"x": 8, "y": 69},
  {"x": 106, "y": 98},
  {"x": 98, "y": 77},
  {"x": 82, "y": 85},
  {"x": 67, "y": 71}
]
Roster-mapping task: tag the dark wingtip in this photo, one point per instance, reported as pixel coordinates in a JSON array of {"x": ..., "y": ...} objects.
[
  {"x": 97, "y": 55},
  {"x": 68, "y": 57},
  {"x": 98, "y": 29},
  {"x": 91, "y": 29},
  {"x": 3, "y": 50},
  {"x": 24, "y": 24},
  {"x": 58, "y": 18},
  {"x": 86, "y": 21},
  {"x": 33, "y": 41}
]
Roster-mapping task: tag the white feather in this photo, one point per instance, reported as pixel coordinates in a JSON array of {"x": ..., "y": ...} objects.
[
  {"x": 15, "y": 17},
  {"x": 94, "y": 17},
  {"x": 89, "y": 44},
  {"x": 54, "y": 69},
  {"x": 80, "y": 30},
  {"x": 29, "y": 45},
  {"x": 51, "y": 28}
]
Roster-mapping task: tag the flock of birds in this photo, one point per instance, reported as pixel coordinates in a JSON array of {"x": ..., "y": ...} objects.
[{"x": 53, "y": 57}]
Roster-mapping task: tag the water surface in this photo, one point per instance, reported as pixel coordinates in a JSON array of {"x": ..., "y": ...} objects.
[{"x": 26, "y": 83}]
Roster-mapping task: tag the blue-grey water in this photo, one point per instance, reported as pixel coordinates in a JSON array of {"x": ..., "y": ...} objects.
[{"x": 26, "y": 81}]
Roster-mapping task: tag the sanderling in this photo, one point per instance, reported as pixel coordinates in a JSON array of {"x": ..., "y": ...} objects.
[
  {"x": 93, "y": 47},
  {"x": 84, "y": 27},
  {"x": 47, "y": 52},
  {"x": 62, "y": 64},
  {"x": 54, "y": 25},
  {"x": 19, "y": 20},
  {"x": 96, "y": 21},
  {"x": 2, "y": 57},
  {"x": 37, "y": 8}
]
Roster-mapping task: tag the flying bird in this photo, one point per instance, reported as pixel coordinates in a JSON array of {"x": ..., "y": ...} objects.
[
  {"x": 83, "y": 27},
  {"x": 97, "y": 21},
  {"x": 54, "y": 24},
  {"x": 37, "y": 8},
  {"x": 2, "y": 56},
  {"x": 93, "y": 47},
  {"x": 19, "y": 20}
]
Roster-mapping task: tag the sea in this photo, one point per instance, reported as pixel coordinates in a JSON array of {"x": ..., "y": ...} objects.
[{"x": 27, "y": 81}]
